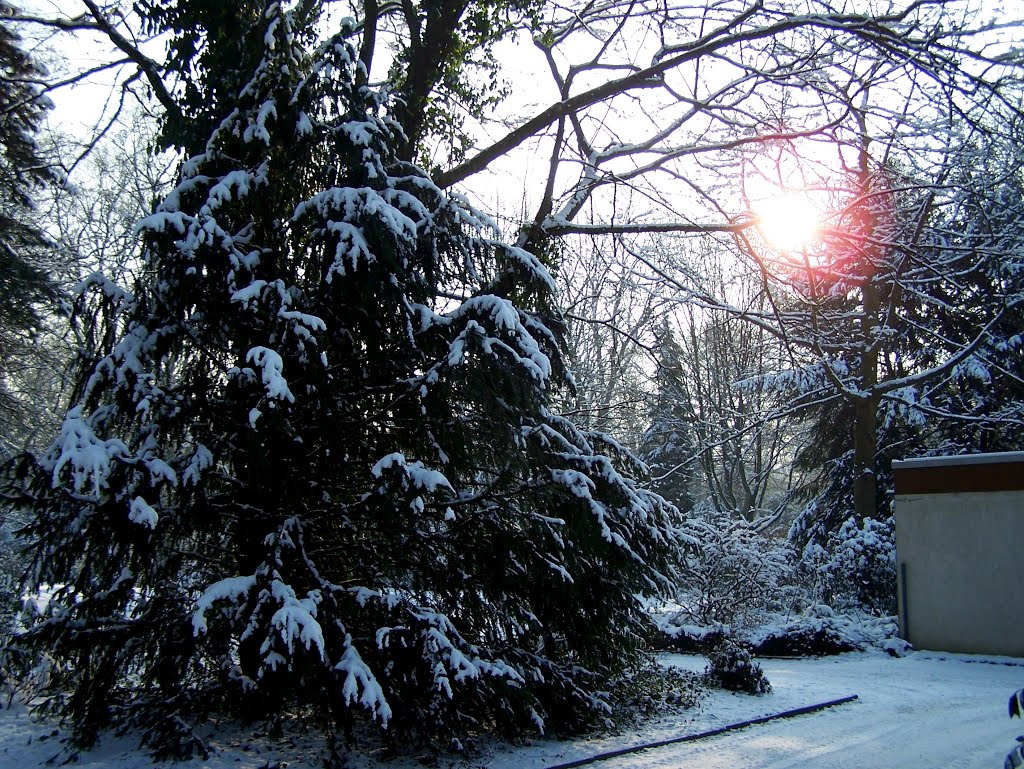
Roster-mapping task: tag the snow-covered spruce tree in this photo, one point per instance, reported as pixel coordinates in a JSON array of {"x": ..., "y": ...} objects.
[{"x": 311, "y": 464}]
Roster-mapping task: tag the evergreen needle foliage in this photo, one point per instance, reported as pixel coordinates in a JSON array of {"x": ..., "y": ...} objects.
[
  {"x": 25, "y": 284},
  {"x": 311, "y": 466}
]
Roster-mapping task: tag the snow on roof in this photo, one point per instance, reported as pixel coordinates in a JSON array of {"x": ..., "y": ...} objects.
[{"x": 962, "y": 459}]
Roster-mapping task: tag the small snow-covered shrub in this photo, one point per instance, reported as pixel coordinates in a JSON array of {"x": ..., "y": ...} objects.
[
  {"x": 731, "y": 667},
  {"x": 860, "y": 572},
  {"x": 896, "y": 647}
]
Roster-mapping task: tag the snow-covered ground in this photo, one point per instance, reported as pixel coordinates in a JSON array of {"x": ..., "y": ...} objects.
[{"x": 923, "y": 711}]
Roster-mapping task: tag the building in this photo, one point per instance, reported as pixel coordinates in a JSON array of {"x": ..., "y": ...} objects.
[{"x": 960, "y": 552}]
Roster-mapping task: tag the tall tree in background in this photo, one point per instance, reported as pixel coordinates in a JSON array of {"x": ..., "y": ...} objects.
[
  {"x": 743, "y": 459},
  {"x": 26, "y": 283},
  {"x": 979, "y": 405},
  {"x": 667, "y": 445},
  {"x": 311, "y": 463},
  {"x": 901, "y": 309},
  {"x": 708, "y": 414},
  {"x": 905, "y": 290},
  {"x": 610, "y": 320}
]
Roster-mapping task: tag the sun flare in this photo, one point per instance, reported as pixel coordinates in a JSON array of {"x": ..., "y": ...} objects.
[{"x": 789, "y": 222}]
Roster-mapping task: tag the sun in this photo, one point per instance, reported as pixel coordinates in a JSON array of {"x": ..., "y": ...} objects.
[{"x": 788, "y": 221}]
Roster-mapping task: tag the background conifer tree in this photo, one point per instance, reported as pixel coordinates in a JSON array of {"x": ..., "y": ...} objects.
[
  {"x": 667, "y": 443},
  {"x": 25, "y": 283},
  {"x": 311, "y": 463}
]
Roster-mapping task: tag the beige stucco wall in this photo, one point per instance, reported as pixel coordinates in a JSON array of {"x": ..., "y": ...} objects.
[{"x": 962, "y": 555}]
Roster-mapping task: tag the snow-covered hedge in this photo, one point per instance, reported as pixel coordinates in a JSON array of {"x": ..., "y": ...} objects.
[{"x": 818, "y": 631}]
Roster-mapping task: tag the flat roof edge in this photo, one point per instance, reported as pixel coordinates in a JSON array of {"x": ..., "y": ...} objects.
[{"x": 1003, "y": 457}]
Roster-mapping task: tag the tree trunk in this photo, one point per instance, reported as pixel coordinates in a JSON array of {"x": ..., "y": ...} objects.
[
  {"x": 430, "y": 51},
  {"x": 864, "y": 479},
  {"x": 865, "y": 425}
]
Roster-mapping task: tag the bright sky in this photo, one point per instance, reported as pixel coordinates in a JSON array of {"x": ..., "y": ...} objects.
[{"x": 511, "y": 183}]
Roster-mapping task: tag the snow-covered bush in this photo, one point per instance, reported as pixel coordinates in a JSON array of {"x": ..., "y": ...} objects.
[
  {"x": 802, "y": 639},
  {"x": 819, "y": 631},
  {"x": 816, "y": 631},
  {"x": 857, "y": 567},
  {"x": 733, "y": 572},
  {"x": 686, "y": 638},
  {"x": 748, "y": 587},
  {"x": 731, "y": 667},
  {"x": 652, "y": 689}
]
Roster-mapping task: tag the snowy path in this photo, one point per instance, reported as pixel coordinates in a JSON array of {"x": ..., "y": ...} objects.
[
  {"x": 860, "y": 737},
  {"x": 916, "y": 713}
]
